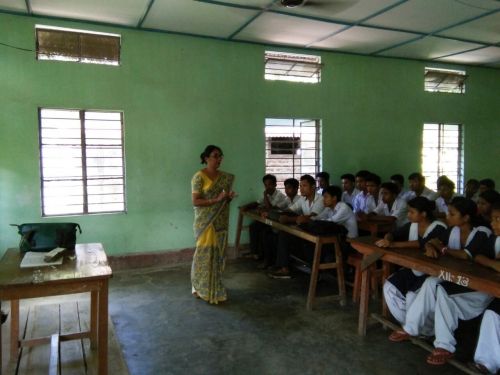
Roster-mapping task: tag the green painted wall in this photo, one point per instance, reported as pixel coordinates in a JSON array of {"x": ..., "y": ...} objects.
[{"x": 180, "y": 93}]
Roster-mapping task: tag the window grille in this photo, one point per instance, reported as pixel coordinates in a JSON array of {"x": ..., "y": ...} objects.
[
  {"x": 442, "y": 154},
  {"x": 81, "y": 162},
  {"x": 77, "y": 45},
  {"x": 292, "y": 67},
  {"x": 445, "y": 80},
  {"x": 293, "y": 148}
]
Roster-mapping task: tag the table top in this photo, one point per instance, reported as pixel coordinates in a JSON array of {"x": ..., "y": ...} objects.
[
  {"x": 88, "y": 261},
  {"x": 462, "y": 272}
]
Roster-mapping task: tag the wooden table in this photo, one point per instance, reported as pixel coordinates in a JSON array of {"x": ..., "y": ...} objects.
[
  {"x": 318, "y": 240},
  {"x": 461, "y": 272},
  {"x": 376, "y": 226},
  {"x": 87, "y": 271}
]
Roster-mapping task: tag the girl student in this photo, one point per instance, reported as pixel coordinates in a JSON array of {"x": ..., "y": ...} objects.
[
  {"x": 462, "y": 240},
  {"x": 401, "y": 287}
]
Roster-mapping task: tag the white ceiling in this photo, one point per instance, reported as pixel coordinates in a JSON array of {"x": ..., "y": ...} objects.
[{"x": 451, "y": 31}]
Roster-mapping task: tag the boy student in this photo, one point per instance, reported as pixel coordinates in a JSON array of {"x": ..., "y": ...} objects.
[
  {"x": 472, "y": 189},
  {"x": 399, "y": 180},
  {"x": 486, "y": 184},
  {"x": 391, "y": 208},
  {"x": 359, "y": 202},
  {"x": 349, "y": 190},
  {"x": 417, "y": 186},
  {"x": 487, "y": 355},
  {"x": 309, "y": 204},
  {"x": 322, "y": 181},
  {"x": 291, "y": 189},
  {"x": 373, "y": 188},
  {"x": 271, "y": 198},
  {"x": 446, "y": 191}
]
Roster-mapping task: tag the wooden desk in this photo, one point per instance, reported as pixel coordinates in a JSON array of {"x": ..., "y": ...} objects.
[
  {"x": 316, "y": 265},
  {"x": 461, "y": 272},
  {"x": 87, "y": 272},
  {"x": 376, "y": 226}
]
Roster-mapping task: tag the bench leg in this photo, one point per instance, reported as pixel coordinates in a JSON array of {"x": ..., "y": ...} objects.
[
  {"x": 363, "y": 303},
  {"x": 314, "y": 275},
  {"x": 14, "y": 329},
  {"x": 340, "y": 273}
]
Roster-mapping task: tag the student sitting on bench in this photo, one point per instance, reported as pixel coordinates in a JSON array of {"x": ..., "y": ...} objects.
[
  {"x": 359, "y": 202},
  {"x": 309, "y": 204},
  {"x": 322, "y": 181},
  {"x": 417, "y": 186},
  {"x": 349, "y": 189},
  {"x": 391, "y": 208},
  {"x": 399, "y": 180},
  {"x": 446, "y": 191}
]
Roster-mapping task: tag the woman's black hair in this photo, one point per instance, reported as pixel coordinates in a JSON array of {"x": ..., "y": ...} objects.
[
  {"x": 208, "y": 151},
  {"x": 333, "y": 191},
  {"x": 490, "y": 196},
  {"x": 466, "y": 206},
  {"x": 422, "y": 204}
]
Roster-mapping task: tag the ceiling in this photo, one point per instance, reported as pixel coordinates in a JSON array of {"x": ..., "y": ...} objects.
[{"x": 447, "y": 31}]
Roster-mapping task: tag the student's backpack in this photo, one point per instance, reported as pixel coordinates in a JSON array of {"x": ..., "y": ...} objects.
[{"x": 42, "y": 237}]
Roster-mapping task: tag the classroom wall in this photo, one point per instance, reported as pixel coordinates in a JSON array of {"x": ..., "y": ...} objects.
[{"x": 180, "y": 93}]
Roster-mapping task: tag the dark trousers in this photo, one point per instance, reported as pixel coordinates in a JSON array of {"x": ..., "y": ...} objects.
[{"x": 257, "y": 230}]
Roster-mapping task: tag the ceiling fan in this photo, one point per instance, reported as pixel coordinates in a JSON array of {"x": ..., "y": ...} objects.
[{"x": 332, "y": 5}]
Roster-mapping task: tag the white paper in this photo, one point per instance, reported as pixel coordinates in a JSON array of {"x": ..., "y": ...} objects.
[{"x": 32, "y": 259}]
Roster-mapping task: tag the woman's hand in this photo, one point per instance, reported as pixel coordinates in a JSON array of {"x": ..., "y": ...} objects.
[
  {"x": 383, "y": 243},
  {"x": 431, "y": 251}
]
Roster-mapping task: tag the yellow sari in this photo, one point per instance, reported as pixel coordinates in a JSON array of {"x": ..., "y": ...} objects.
[{"x": 211, "y": 231}]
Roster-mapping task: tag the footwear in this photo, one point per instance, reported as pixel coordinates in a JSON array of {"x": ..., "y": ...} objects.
[
  {"x": 399, "y": 336},
  {"x": 3, "y": 317},
  {"x": 479, "y": 367},
  {"x": 279, "y": 274},
  {"x": 439, "y": 357}
]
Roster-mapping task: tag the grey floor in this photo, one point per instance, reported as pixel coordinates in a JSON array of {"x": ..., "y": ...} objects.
[{"x": 263, "y": 329}]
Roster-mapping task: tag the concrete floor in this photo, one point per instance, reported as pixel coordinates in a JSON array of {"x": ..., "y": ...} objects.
[{"x": 263, "y": 329}]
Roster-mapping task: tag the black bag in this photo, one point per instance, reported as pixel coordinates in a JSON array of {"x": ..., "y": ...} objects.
[
  {"x": 47, "y": 236},
  {"x": 275, "y": 214},
  {"x": 323, "y": 227}
]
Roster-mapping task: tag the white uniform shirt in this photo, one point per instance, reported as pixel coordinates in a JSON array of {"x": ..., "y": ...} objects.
[
  {"x": 441, "y": 204},
  {"x": 303, "y": 207},
  {"x": 371, "y": 204},
  {"x": 399, "y": 210},
  {"x": 359, "y": 202},
  {"x": 277, "y": 199},
  {"x": 342, "y": 215},
  {"x": 349, "y": 198},
  {"x": 427, "y": 193},
  {"x": 290, "y": 202},
  {"x": 406, "y": 195}
]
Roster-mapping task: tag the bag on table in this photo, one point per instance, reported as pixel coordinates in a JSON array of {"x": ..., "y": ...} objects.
[
  {"x": 323, "y": 227},
  {"x": 41, "y": 237}
]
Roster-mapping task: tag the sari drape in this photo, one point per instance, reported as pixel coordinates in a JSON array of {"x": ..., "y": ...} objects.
[{"x": 211, "y": 233}]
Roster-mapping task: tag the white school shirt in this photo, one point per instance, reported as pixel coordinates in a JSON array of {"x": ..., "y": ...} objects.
[
  {"x": 349, "y": 198},
  {"x": 406, "y": 195},
  {"x": 290, "y": 202},
  {"x": 343, "y": 215},
  {"x": 277, "y": 199},
  {"x": 359, "y": 202},
  {"x": 427, "y": 193},
  {"x": 441, "y": 205},
  {"x": 303, "y": 207},
  {"x": 371, "y": 205},
  {"x": 399, "y": 210}
]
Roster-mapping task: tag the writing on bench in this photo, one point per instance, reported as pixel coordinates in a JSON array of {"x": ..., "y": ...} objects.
[{"x": 457, "y": 279}]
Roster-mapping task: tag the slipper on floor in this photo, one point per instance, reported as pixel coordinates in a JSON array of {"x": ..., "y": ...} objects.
[
  {"x": 479, "y": 367},
  {"x": 399, "y": 336},
  {"x": 439, "y": 357}
]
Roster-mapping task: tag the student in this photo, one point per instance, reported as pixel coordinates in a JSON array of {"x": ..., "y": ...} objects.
[
  {"x": 446, "y": 191},
  {"x": 391, "y": 208},
  {"x": 337, "y": 211},
  {"x": 454, "y": 302},
  {"x": 487, "y": 355},
  {"x": 291, "y": 190},
  {"x": 461, "y": 240},
  {"x": 401, "y": 287},
  {"x": 399, "y": 180},
  {"x": 417, "y": 186},
  {"x": 322, "y": 181},
  {"x": 484, "y": 204},
  {"x": 309, "y": 204},
  {"x": 486, "y": 184},
  {"x": 349, "y": 190},
  {"x": 472, "y": 189},
  {"x": 373, "y": 182},
  {"x": 272, "y": 198},
  {"x": 359, "y": 203}
]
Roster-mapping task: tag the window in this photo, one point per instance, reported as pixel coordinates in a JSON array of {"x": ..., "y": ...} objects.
[
  {"x": 442, "y": 154},
  {"x": 81, "y": 162},
  {"x": 292, "y": 67},
  {"x": 77, "y": 45},
  {"x": 292, "y": 148},
  {"x": 445, "y": 80}
]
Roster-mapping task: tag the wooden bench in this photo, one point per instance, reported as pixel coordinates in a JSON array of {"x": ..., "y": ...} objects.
[{"x": 318, "y": 240}]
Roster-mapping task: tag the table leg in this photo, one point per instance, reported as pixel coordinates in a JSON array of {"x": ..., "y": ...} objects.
[
  {"x": 386, "y": 270},
  {"x": 340, "y": 272},
  {"x": 14, "y": 329},
  {"x": 102, "y": 338},
  {"x": 363, "y": 301},
  {"x": 238, "y": 234},
  {"x": 93, "y": 318},
  {"x": 314, "y": 275}
]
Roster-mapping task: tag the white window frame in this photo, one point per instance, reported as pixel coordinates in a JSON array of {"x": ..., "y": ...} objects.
[
  {"x": 82, "y": 162},
  {"x": 303, "y": 138},
  {"x": 444, "y": 80},
  {"x": 293, "y": 67},
  {"x": 443, "y": 153}
]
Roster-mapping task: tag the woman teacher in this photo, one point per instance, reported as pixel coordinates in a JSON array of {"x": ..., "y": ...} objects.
[{"x": 211, "y": 194}]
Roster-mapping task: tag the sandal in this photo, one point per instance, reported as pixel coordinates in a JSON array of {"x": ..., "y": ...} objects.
[
  {"x": 399, "y": 336},
  {"x": 439, "y": 357},
  {"x": 479, "y": 367}
]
